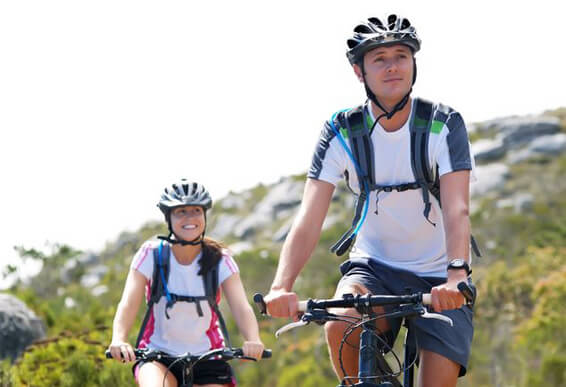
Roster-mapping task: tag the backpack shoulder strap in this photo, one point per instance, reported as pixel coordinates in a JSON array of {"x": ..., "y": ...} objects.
[
  {"x": 419, "y": 127},
  {"x": 211, "y": 284},
  {"x": 422, "y": 123},
  {"x": 157, "y": 283},
  {"x": 356, "y": 123}
]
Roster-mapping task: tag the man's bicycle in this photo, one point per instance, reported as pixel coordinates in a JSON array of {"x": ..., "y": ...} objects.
[
  {"x": 188, "y": 361},
  {"x": 374, "y": 370}
]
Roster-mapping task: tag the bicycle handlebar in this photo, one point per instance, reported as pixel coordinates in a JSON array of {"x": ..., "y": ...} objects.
[
  {"x": 467, "y": 290},
  {"x": 225, "y": 353}
]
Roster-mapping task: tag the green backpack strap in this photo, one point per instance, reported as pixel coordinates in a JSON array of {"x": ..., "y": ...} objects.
[{"x": 211, "y": 285}]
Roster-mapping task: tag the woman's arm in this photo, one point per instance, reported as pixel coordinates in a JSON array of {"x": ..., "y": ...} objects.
[
  {"x": 126, "y": 314},
  {"x": 243, "y": 314}
]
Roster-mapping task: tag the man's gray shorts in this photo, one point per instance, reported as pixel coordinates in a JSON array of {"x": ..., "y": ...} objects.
[{"x": 432, "y": 335}]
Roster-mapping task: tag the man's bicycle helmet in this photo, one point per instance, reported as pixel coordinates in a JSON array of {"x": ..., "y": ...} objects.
[
  {"x": 374, "y": 33},
  {"x": 180, "y": 194}
]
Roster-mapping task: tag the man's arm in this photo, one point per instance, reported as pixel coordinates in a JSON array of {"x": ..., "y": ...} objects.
[
  {"x": 298, "y": 247},
  {"x": 455, "y": 196}
]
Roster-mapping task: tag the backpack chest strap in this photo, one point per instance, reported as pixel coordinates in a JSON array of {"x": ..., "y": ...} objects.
[{"x": 176, "y": 298}]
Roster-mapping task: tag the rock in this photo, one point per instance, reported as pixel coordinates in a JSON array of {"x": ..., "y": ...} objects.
[
  {"x": 550, "y": 145},
  {"x": 286, "y": 194},
  {"x": 234, "y": 201},
  {"x": 488, "y": 150},
  {"x": 489, "y": 177},
  {"x": 225, "y": 225},
  {"x": 19, "y": 327},
  {"x": 283, "y": 196},
  {"x": 281, "y": 234},
  {"x": 517, "y": 132},
  {"x": 519, "y": 202},
  {"x": 248, "y": 227}
]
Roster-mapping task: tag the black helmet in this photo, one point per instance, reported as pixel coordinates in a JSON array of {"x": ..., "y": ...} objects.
[
  {"x": 374, "y": 33},
  {"x": 184, "y": 193}
]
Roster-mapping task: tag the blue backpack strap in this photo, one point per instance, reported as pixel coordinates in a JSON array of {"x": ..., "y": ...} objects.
[{"x": 161, "y": 265}]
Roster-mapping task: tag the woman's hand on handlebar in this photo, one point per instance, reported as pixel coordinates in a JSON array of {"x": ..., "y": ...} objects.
[
  {"x": 122, "y": 351},
  {"x": 281, "y": 303},
  {"x": 253, "y": 349}
]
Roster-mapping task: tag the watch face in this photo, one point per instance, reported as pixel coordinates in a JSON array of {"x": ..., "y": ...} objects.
[{"x": 458, "y": 263}]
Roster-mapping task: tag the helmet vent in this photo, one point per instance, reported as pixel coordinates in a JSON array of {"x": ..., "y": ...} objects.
[
  {"x": 363, "y": 29},
  {"x": 391, "y": 21},
  {"x": 352, "y": 43},
  {"x": 376, "y": 21}
]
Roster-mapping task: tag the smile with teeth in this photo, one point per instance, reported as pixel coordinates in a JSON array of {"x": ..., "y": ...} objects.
[{"x": 189, "y": 227}]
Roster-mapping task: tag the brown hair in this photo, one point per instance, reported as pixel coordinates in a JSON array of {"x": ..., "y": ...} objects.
[{"x": 211, "y": 254}]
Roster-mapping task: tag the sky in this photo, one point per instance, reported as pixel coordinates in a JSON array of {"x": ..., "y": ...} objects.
[{"x": 104, "y": 103}]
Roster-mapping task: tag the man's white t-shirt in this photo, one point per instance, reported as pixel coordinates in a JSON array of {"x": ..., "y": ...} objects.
[
  {"x": 185, "y": 330},
  {"x": 399, "y": 235}
]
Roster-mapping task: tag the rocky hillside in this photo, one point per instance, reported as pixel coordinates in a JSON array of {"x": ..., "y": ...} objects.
[{"x": 518, "y": 215}]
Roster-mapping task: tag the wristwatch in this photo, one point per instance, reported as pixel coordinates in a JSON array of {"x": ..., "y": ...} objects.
[{"x": 459, "y": 264}]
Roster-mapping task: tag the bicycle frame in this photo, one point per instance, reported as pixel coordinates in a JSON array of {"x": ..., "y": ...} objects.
[{"x": 370, "y": 360}]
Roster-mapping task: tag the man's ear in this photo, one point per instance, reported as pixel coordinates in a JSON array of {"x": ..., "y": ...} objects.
[{"x": 358, "y": 71}]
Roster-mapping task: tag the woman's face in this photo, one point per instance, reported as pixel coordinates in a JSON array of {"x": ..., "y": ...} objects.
[
  {"x": 388, "y": 72},
  {"x": 188, "y": 222}
]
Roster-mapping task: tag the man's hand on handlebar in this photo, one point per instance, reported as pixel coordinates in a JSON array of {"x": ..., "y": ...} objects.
[{"x": 281, "y": 303}]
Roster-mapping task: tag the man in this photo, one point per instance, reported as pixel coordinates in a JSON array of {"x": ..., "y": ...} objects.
[{"x": 396, "y": 248}]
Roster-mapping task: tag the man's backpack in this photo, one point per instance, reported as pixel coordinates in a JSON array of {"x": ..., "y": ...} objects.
[
  {"x": 354, "y": 124},
  {"x": 161, "y": 269}
]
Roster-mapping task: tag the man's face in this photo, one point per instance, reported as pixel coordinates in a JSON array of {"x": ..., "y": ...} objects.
[{"x": 388, "y": 72}]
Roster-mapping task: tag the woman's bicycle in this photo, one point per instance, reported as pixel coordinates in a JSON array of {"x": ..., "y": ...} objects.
[
  {"x": 188, "y": 361},
  {"x": 374, "y": 370}
]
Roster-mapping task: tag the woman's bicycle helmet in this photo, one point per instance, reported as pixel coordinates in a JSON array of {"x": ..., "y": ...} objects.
[{"x": 180, "y": 194}]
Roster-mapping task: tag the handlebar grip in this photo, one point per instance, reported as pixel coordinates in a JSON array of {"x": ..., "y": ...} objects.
[
  {"x": 302, "y": 306},
  {"x": 467, "y": 289},
  {"x": 108, "y": 354},
  {"x": 258, "y": 299}
]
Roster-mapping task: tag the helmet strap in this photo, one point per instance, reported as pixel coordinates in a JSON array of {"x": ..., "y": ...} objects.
[{"x": 197, "y": 241}]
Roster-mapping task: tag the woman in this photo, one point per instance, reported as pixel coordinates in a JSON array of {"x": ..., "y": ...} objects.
[{"x": 179, "y": 327}]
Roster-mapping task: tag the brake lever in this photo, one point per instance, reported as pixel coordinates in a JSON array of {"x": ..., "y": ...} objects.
[
  {"x": 288, "y": 327},
  {"x": 438, "y": 316}
]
